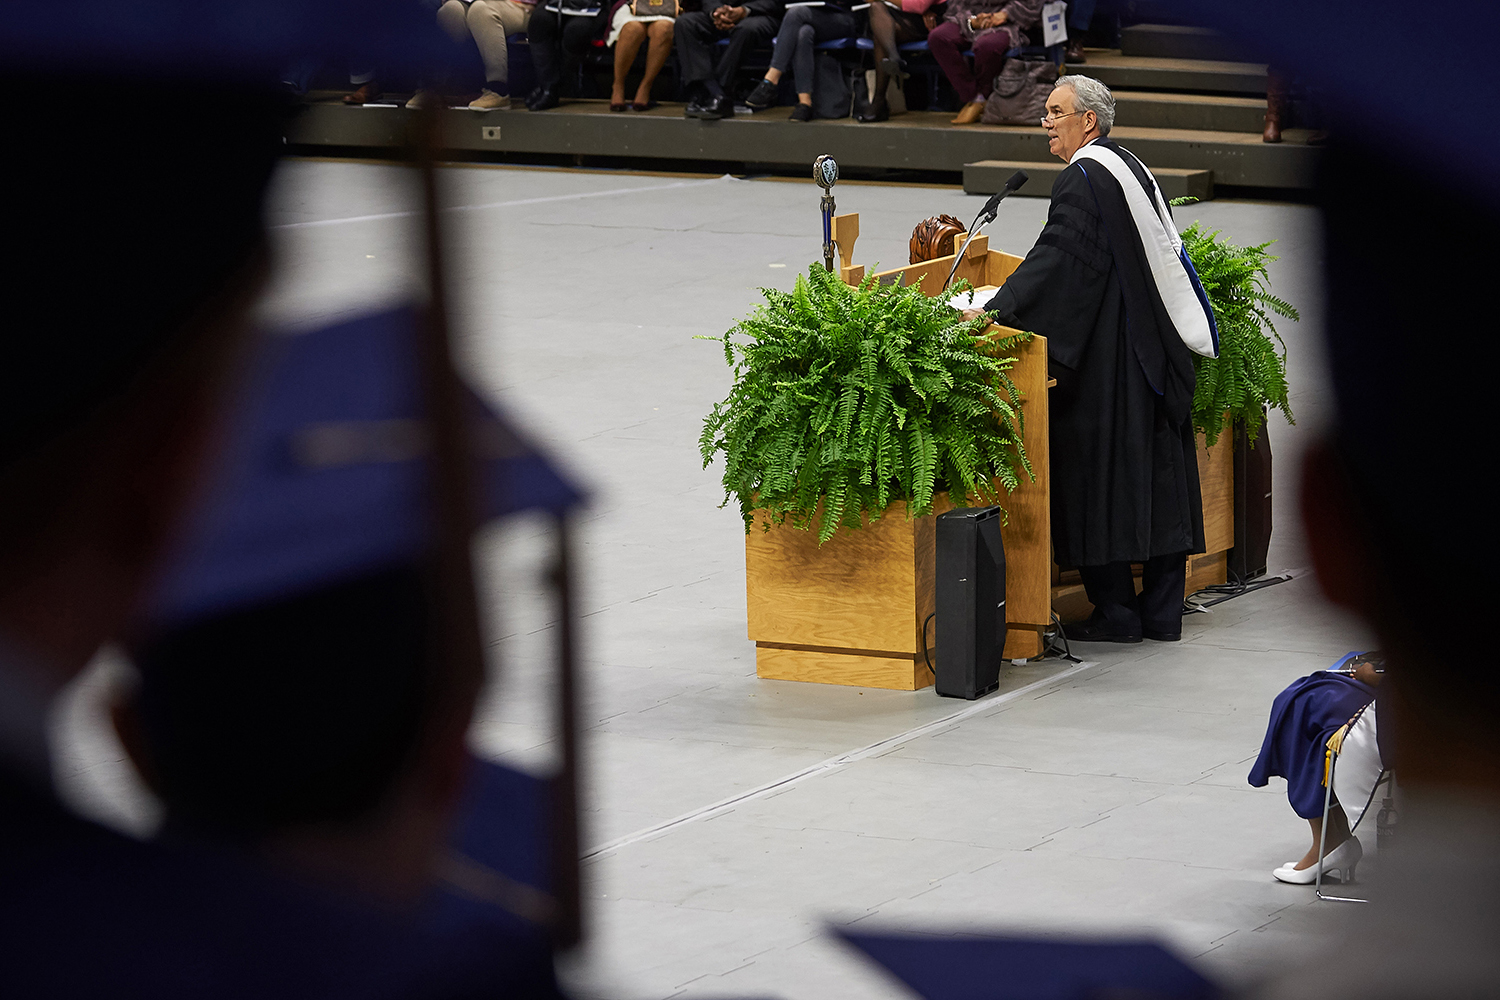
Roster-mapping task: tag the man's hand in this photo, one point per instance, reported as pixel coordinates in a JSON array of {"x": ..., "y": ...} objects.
[
  {"x": 972, "y": 314},
  {"x": 727, "y": 17}
]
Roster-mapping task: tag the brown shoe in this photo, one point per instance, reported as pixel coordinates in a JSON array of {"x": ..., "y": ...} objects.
[
  {"x": 488, "y": 100},
  {"x": 368, "y": 93},
  {"x": 970, "y": 114},
  {"x": 1272, "y": 131},
  {"x": 1073, "y": 54}
]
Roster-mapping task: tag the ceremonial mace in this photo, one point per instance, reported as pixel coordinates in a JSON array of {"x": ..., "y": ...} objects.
[
  {"x": 825, "y": 173},
  {"x": 985, "y": 217}
]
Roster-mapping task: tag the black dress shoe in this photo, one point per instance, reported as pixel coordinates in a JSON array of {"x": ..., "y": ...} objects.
[
  {"x": 1100, "y": 630},
  {"x": 762, "y": 97},
  {"x": 711, "y": 108},
  {"x": 1160, "y": 635},
  {"x": 543, "y": 98},
  {"x": 801, "y": 113},
  {"x": 879, "y": 111}
]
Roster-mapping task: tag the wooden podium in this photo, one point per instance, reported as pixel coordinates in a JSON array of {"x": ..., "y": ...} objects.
[{"x": 853, "y": 611}]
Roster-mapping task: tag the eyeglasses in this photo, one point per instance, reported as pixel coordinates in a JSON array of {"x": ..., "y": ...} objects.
[{"x": 1053, "y": 118}]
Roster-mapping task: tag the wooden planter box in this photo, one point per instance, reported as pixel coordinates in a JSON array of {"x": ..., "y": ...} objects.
[{"x": 851, "y": 612}]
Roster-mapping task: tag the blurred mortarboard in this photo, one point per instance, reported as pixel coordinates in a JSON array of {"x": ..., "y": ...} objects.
[
  {"x": 1017, "y": 968},
  {"x": 1380, "y": 69},
  {"x": 322, "y": 477},
  {"x": 244, "y": 41}
]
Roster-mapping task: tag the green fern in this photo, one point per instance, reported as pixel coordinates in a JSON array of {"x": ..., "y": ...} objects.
[
  {"x": 846, "y": 400},
  {"x": 1249, "y": 375}
]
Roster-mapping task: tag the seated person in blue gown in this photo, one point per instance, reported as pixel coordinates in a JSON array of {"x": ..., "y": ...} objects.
[{"x": 1303, "y": 717}]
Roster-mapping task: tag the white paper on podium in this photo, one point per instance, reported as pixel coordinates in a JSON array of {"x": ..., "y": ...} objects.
[{"x": 974, "y": 299}]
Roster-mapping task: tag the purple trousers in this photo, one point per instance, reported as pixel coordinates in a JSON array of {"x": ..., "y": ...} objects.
[{"x": 947, "y": 43}]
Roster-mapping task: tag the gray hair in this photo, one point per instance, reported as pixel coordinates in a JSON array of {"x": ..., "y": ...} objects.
[{"x": 1091, "y": 95}]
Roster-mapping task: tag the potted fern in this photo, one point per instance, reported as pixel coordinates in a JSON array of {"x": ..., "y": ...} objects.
[
  {"x": 1249, "y": 375},
  {"x": 853, "y": 413},
  {"x": 1236, "y": 389}
]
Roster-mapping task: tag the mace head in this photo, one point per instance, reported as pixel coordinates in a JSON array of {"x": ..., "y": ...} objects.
[{"x": 825, "y": 171}]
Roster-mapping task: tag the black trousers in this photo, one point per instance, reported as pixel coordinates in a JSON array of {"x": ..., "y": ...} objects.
[
  {"x": 697, "y": 39},
  {"x": 543, "y": 32},
  {"x": 801, "y": 29},
  {"x": 1111, "y": 589}
]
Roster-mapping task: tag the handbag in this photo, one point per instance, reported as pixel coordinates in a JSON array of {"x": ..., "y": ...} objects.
[
  {"x": 1020, "y": 93},
  {"x": 832, "y": 95},
  {"x": 654, "y": 8}
]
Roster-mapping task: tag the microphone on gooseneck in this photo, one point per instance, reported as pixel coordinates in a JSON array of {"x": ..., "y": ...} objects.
[
  {"x": 992, "y": 207},
  {"x": 986, "y": 216}
]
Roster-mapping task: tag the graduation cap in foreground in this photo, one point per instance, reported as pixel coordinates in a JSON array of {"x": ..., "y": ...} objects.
[
  {"x": 283, "y": 682},
  {"x": 246, "y": 41},
  {"x": 1021, "y": 968},
  {"x": 322, "y": 476}
]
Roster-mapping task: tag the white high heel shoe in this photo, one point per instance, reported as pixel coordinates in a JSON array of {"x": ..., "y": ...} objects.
[{"x": 1341, "y": 860}]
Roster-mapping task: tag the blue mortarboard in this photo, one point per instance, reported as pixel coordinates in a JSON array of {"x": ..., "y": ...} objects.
[
  {"x": 221, "y": 40},
  {"x": 1379, "y": 69},
  {"x": 1016, "y": 968},
  {"x": 322, "y": 479}
]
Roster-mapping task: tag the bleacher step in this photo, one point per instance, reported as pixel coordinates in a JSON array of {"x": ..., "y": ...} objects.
[
  {"x": 1173, "y": 41},
  {"x": 989, "y": 176},
  {"x": 1159, "y": 73},
  {"x": 1210, "y": 112}
]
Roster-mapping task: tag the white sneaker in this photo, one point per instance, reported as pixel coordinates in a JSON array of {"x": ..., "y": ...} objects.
[
  {"x": 1342, "y": 859},
  {"x": 488, "y": 100},
  {"x": 424, "y": 99}
]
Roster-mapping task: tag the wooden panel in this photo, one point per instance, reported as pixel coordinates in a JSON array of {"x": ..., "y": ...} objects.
[
  {"x": 859, "y": 590},
  {"x": 999, "y": 266},
  {"x": 1028, "y": 531},
  {"x": 827, "y": 667},
  {"x": 1022, "y": 644},
  {"x": 1216, "y": 479},
  {"x": 1206, "y": 571}
]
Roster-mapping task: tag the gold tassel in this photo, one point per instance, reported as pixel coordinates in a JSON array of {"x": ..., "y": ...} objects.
[{"x": 1335, "y": 745}]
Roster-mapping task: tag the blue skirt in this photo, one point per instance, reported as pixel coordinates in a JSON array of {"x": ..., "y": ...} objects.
[{"x": 1302, "y": 718}]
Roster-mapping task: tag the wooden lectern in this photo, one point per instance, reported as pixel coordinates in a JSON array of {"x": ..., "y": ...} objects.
[{"x": 854, "y": 610}]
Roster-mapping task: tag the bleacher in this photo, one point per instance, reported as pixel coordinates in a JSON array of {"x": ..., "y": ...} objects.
[{"x": 1192, "y": 114}]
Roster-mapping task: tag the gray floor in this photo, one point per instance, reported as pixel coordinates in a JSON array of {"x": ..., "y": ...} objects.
[{"x": 731, "y": 819}]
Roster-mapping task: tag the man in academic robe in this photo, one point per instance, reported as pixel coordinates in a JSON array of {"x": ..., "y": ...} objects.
[{"x": 1122, "y": 315}]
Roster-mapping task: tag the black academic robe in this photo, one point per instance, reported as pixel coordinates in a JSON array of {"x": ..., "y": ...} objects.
[{"x": 1124, "y": 456}]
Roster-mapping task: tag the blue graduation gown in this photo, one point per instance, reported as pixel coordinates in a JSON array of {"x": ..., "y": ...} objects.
[{"x": 1302, "y": 718}]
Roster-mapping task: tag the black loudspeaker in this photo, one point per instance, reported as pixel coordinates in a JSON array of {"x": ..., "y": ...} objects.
[
  {"x": 970, "y": 602},
  {"x": 1252, "y": 505}
]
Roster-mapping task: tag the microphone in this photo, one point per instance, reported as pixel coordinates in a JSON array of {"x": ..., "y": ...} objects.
[
  {"x": 992, "y": 207},
  {"x": 986, "y": 216}
]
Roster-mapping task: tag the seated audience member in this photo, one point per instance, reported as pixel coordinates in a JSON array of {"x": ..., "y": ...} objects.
[
  {"x": 749, "y": 25},
  {"x": 801, "y": 29},
  {"x": 1303, "y": 717},
  {"x": 629, "y": 27},
  {"x": 992, "y": 28},
  {"x": 1097, "y": 21},
  {"x": 487, "y": 22},
  {"x": 892, "y": 25},
  {"x": 561, "y": 32}
]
